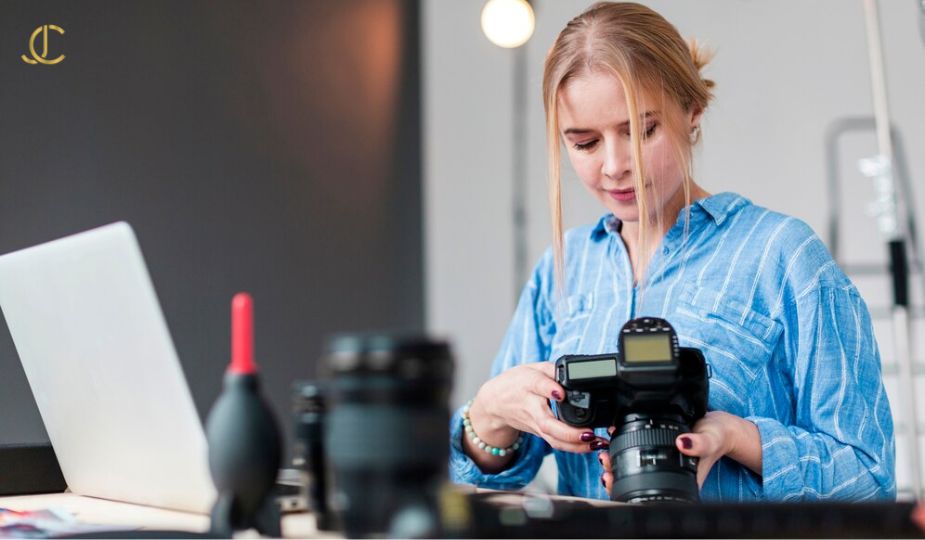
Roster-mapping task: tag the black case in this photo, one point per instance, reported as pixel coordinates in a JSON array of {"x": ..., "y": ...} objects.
[{"x": 29, "y": 468}]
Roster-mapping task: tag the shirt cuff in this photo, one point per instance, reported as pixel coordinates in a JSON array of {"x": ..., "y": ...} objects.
[
  {"x": 781, "y": 474},
  {"x": 522, "y": 470}
]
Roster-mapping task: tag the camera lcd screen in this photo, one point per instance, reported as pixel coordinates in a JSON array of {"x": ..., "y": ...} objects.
[
  {"x": 651, "y": 348},
  {"x": 592, "y": 369}
]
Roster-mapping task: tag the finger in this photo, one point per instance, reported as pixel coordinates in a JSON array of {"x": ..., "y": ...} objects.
[
  {"x": 702, "y": 446},
  {"x": 703, "y": 470},
  {"x": 599, "y": 444},
  {"x": 561, "y": 436},
  {"x": 544, "y": 385},
  {"x": 694, "y": 444},
  {"x": 552, "y": 429},
  {"x": 607, "y": 480},
  {"x": 918, "y": 516},
  {"x": 546, "y": 368},
  {"x": 685, "y": 445},
  {"x": 607, "y": 474}
]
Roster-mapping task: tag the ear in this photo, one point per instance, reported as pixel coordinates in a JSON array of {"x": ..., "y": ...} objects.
[{"x": 695, "y": 116}]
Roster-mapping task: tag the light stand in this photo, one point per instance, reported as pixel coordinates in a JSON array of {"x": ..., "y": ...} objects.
[{"x": 880, "y": 170}]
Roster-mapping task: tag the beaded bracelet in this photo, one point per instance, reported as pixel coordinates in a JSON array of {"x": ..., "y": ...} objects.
[{"x": 493, "y": 450}]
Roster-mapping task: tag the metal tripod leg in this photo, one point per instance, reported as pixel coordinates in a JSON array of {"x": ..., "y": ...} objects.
[{"x": 901, "y": 340}]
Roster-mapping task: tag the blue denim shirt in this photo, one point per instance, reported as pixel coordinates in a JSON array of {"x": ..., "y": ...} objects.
[{"x": 786, "y": 334}]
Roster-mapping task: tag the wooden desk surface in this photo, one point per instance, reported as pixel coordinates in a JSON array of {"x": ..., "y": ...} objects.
[{"x": 124, "y": 515}]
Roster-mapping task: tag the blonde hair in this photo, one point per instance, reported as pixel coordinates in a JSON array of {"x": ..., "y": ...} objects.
[{"x": 649, "y": 57}]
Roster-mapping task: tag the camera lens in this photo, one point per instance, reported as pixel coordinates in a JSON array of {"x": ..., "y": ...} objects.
[
  {"x": 309, "y": 409},
  {"x": 647, "y": 466},
  {"x": 387, "y": 429}
]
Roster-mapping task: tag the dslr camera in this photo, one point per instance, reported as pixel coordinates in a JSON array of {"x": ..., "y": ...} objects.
[{"x": 651, "y": 391}]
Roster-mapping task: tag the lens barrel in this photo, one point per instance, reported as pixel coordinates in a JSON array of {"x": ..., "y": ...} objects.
[
  {"x": 647, "y": 465},
  {"x": 386, "y": 432},
  {"x": 309, "y": 409}
]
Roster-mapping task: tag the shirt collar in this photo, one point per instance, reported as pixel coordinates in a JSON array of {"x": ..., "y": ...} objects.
[
  {"x": 608, "y": 223},
  {"x": 719, "y": 207}
]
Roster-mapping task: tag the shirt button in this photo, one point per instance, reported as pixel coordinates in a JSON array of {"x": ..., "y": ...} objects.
[{"x": 665, "y": 251}]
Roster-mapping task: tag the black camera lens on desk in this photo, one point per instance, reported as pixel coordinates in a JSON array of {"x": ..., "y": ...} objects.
[
  {"x": 652, "y": 390},
  {"x": 309, "y": 408},
  {"x": 385, "y": 434}
]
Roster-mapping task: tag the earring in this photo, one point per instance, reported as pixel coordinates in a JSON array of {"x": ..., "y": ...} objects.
[{"x": 695, "y": 133}]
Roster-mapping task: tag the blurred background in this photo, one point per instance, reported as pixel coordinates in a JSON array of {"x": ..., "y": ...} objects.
[
  {"x": 380, "y": 164},
  {"x": 270, "y": 147}
]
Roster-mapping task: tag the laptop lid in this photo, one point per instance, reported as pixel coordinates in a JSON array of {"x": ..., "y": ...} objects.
[{"x": 96, "y": 350}]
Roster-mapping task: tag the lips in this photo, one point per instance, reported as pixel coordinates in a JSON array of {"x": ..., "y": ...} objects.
[{"x": 622, "y": 195}]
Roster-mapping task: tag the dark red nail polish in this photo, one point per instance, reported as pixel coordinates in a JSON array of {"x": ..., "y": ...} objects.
[
  {"x": 587, "y": 436},
  {"x": 600, "y": 460},
  {"x": 687, "y": 443},
  {"x": 603, "y": 484},
  {"x": 597, "y": 445},
  {"x": 556, "y": 395}
]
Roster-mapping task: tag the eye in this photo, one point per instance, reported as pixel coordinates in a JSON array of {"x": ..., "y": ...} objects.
[
  {"x": 585, "y": 146},
  {"x": 650, "y": 130}
]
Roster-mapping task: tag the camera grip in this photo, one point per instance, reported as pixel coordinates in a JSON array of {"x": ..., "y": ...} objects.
[{"x": 575, "y": 415}]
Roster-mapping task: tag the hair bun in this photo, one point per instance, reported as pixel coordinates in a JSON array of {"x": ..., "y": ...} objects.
[{"x": 700, "y": 56}]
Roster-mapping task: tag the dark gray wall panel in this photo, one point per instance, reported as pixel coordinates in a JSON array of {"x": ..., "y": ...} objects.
[{"x": 271, "y": 147}]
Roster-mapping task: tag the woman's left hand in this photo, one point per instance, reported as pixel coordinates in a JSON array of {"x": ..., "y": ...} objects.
[
  {"x": 711, "y": 439},
  {"x": 715, "y": 435}
]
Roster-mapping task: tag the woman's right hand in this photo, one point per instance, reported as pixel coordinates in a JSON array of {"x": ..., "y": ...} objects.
[{"x": 516, "y": 401}]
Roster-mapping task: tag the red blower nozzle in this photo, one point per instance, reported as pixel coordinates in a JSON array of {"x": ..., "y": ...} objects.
[{"x": 242, "y": 335}]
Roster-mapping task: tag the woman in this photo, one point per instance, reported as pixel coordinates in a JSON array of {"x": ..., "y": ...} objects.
[{"x": 797, "y": 405}]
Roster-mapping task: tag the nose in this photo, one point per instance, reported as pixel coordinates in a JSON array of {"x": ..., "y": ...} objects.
[{"x": 617, "y": 161}]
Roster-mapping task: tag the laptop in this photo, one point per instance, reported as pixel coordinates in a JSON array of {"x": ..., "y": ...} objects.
[{"x": 96, "y": 350}]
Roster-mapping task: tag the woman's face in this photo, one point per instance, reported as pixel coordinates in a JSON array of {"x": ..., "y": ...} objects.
[{"x": 594, "y": 123}]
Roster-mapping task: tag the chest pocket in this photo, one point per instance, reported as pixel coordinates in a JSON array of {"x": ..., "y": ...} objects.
[
  {"x": 574, "y": 315},
  {"x": 736, "y": 341}
]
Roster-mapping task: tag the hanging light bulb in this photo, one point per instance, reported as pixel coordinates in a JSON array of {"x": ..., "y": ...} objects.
[{"x": 508, "y": 23}]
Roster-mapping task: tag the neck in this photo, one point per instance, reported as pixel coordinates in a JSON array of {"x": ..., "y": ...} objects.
[{"x": 670, "y": 215}]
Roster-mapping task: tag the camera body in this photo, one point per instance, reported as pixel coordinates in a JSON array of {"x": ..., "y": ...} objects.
[
  {"x": 651, "y": 373},
  {"x": 652, "y": 390}
]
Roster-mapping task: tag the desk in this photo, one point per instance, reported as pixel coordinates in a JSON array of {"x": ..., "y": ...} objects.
[
  {"x": 568, "y": 518},
  {"x": 122, "y": 515}
]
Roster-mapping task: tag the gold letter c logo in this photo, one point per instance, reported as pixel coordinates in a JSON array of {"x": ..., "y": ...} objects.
[{"x": 42, "y": 58}]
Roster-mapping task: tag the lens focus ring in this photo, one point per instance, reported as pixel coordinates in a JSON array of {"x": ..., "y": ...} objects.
[{"x": 646, "y": 437}]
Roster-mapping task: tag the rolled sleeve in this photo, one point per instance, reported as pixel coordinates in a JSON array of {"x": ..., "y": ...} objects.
[
  {"x": 780, "y": 458},
  {"x": 806, "y": 466},
  {"x": 527, "y": 340},
  {"x": 840, "y": 445},
  {"x": 522, "y": 470}
]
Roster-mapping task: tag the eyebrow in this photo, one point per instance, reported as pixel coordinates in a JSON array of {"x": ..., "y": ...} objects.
[{"x": 581, "y": 131}]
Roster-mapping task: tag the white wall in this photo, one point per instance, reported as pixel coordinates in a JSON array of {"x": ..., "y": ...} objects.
[{"x": 784, "y": 69}]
